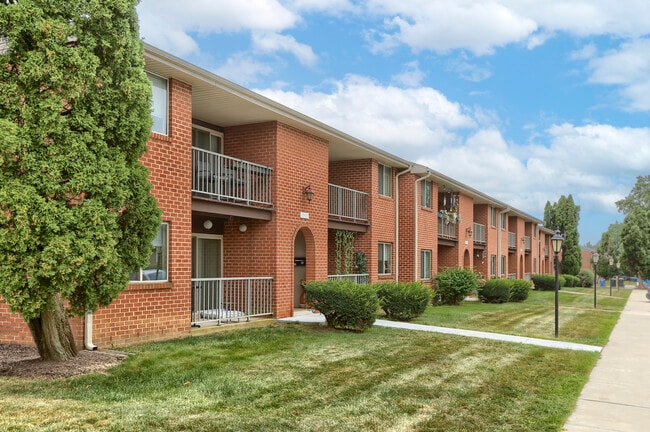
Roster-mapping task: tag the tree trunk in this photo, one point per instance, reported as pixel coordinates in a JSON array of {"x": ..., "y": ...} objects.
[{"x": 52, "y": 333}]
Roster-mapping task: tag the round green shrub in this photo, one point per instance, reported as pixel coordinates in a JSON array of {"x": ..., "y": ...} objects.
[
  {"x": 519, "y": 290},
  {"x": 454, "y": 284},
  {"x": 586, "y": 278},
  {"x": 495, "y": 291},
  {"x": 346, "y": 305},
  {"x": 403, "y": 301}
]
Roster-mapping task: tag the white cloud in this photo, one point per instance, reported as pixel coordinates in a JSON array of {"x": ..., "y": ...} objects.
[
  {"x": 169, "y": 25},
  {"x": 243, "y": 69},
  {"x": 406, "y": 122},
  {"x": 412, "y": 76},
  {"x": 273, "y": 42},
  {"x": 442, "y": 26}
]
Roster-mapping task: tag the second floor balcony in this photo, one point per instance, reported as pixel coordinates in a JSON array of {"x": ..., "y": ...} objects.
[
  {"x": 347, "y": 205},
  {"x": 446, "y": 229},
  {"x": 224, "y": 178}
]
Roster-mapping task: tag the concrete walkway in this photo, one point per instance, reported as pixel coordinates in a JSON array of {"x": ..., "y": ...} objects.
[
  {"x": 308, "y": 317},
  {"x": 617, "y": 396}
]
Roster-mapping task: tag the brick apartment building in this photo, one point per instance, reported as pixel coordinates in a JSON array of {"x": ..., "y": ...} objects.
[{"x": 253, "y": 195}]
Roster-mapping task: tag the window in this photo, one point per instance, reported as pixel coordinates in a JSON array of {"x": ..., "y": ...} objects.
[
  {"x": 502, "y": 220},
  {"x": 385, "y": 180},
  {"x": 157, "y": 268},
  {"x": 426, "y": 193},
  {"x": 503, "y": 265},
  {"x": 207, "y": 140},
  {"x": 493, "y": 265},
  {"x": 159, "y": 103},
  {"x": 493, "y": 216},
  {"x": 425, "y": 264},
  {"x": 385, "y": 257}
]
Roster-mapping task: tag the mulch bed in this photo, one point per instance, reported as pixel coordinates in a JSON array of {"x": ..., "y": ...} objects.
[{"x": 24, "y": 362}]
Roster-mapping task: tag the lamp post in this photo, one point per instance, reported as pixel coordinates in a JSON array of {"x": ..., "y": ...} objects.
[
  {"x": 556, "y": 244},
  {"x": 594, "y": 258},
  {"x": 618, "y": 272}
]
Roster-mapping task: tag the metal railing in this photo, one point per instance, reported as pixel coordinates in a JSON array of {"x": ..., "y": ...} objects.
[
  {"x": 527, "y": 243},
  {"x": 479, "y": 233},
  {"x": 347, "y": 204},
  {"x": 446, "y": 230},
  {"x": 527, "y": 276},
  {"x": 226, "y": 178},
  {"x": 512, "y": 240},
  {"x": 356, "y": 278},
  {"x": 512, "y": 276},
  {"x": 218, "y": 300}
]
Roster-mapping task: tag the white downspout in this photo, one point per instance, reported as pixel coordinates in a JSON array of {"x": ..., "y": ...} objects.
[
  {"x": 416, "y": 261},
  {"x": 407, "y": 170},
  {"x": 88, "y": 331}
]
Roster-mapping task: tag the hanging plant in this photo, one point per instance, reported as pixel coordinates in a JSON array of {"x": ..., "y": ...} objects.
[{"x": 344, "y": 258}]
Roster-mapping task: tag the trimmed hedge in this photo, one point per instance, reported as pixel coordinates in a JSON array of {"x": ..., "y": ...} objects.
[
  {"x": 519, "y": 290},
  {"x": 454, "y": 284},
  {"x": 403, "y": 301},
  {"x": 544, "y": 282},
  {"x": 346, "y": 305},
  {"x": 495, "y": 291},
  {"x": 571, "y": 280}
]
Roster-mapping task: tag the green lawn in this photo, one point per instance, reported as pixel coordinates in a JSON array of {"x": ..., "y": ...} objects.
[
  {"x": 290, "y": 377},
  {"x": 578, "y": 320},
  {"x": 306, "y": 378}
]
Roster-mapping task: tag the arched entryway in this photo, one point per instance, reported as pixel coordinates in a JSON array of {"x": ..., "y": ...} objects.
[
  {"x": 466, "y": 259},
  {"x": 303, "y": 264}
]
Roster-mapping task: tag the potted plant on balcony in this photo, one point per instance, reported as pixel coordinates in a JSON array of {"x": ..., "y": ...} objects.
[{"x": 449, "y": 216}]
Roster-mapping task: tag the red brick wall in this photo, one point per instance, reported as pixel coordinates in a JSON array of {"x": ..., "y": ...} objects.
[
  {"x": 381, "y": 213},
  {"x": 266, "y": 248}
]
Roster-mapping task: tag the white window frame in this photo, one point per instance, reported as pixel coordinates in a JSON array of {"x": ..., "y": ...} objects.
[
  {"x": 212, "y": 133},
  {"x": 493, "y": 265},
  {"x": 502, "y": 220},
  {"x": 159, "y": 104},
  {"x": 503, "y": 265},
  {"x": 384, "y": 261},
  {"x": 425, "y": 264},
  {"x": 385, "y": 180},
  {"x": 493, "y": 216},
  {"x": 162, "y": 241}
]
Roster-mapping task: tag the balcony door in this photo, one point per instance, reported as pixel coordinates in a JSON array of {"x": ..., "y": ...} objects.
[
  {"x": 205, "y": 139},
  {"x": 207, "y": 256}
]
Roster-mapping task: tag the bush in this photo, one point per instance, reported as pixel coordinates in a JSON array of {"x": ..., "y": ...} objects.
[
  {"x": 519, "y": 290},
  {"x": 346, "y": 305},
  {"x": 403, "y": 301},
  {"x": 544, "y": 282},
  {"x": 454, "y": 284},
  {"x": 571, "y": 280},
  {"x": 586, "y": 278},
  {"x": 495, "y": 291}
]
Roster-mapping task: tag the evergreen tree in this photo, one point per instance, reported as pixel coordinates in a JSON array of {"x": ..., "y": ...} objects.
[
  {"x": 76, "y": 212},
  {"x": 565, "y": 216}
]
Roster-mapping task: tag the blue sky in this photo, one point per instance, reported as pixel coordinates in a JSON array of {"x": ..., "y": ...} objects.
[{"x": 523, "y": 100}]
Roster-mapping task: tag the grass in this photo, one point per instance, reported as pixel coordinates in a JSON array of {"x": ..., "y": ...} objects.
[
  {"x": 300, "y": 378},
  {"x": 578, "y": 320}
]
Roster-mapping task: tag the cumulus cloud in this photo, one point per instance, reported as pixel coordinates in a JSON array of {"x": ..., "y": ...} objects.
[
  {"x": 405, "y": 121},
  {"x": 273, "y": 42},
  {"x": 166, "y": 24}
]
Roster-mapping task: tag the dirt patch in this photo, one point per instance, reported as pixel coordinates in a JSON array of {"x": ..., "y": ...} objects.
[{"x": 24, "y": 362}]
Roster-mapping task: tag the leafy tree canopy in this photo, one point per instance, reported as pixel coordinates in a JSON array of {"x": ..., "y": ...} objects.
[{"x": 565, "y": 216}]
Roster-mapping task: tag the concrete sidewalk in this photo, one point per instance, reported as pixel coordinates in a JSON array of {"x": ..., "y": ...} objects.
[
  {"x": 617, "y": 395},
  {"x": 308, "y": 317}
]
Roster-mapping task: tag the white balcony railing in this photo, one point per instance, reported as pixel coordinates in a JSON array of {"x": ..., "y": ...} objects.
[
  {"x": 218, "y": 300},
  {"x": 226, "y": 178},
  {"x": 512, "y": 240},
  {"x": 356, "y": 278},
  {"x": 479, "y": 233},
  {"x": 347, "y": 204},
  {"x": 446, "y": 229}
]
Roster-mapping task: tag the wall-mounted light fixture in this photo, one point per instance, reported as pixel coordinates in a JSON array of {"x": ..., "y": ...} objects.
[
  {"x": 469, "y": 232},
  {"x": 243, "y": 228},
  {"x": 207, "y": 224},
  {"x": 308, "y": 192}
]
